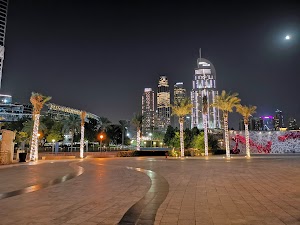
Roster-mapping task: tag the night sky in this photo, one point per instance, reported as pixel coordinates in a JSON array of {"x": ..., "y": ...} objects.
[{"x": 99, "y": 57}]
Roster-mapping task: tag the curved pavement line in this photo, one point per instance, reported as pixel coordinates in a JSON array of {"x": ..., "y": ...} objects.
[
  {"x": 144, "y": 211},
  {"x": 78, "y": 171}
]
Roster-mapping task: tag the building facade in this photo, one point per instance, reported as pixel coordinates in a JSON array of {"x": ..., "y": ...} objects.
[
  {"x": 163, "y": 104},
  {"x": 148, "y": 111},
  {"x": 278, "y": 120},
  {"x": 268, "y": 123},
  {"x": 204, "y": 84},
  {"x": 179, "y": 92},
  {"x": 3, "y": 19},
  {"x": 293, "y": 124},
  {"x": 10, "y": 112},
  {"x": 179, "y": 95}
]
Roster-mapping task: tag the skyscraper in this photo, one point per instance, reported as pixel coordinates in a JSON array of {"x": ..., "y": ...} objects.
[
  {"x": 3, "y": 18},
  {"x": 293, "y": 124},
  {"x": 278, "y": 120},
  {"x": 204, "y": 83},
  {"x": 163, "y": 104},
  {"x": 179, "y": 92},
  {"x": 148, "y": 111}
]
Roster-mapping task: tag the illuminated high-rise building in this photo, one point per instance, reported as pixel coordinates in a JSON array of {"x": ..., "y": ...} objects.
[
  {"x": 179, "y": 92},
  {"x": 293, "y": 124},
  {"x": 204, "y": 84},
  {"x": 278, "y": 120},
  {"x": 3, "y": 18},
  {"x": 268, "y": 122},
  {"x": 148, "y": 111},
  {"x": 163, "y": 104}
]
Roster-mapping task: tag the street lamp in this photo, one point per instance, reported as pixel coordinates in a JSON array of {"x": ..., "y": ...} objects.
[
  {"x": 53, "y": 140},
  {"x": 101, "y": 137}
]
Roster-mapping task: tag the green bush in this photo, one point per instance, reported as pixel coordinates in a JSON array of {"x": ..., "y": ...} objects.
[
  {"x": 187, "y": 152},
  {"x": 174, "y": 153}
]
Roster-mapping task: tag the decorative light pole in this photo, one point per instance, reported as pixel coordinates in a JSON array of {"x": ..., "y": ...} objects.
[
  {"x": 204, "y": 117},
  {"x": 38, "y": 101},
  {"x": 101, "y": 137},
  {"x": 82, "y": 115}
]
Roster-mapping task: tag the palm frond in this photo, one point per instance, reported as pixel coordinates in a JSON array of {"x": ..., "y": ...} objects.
[
  {"x": 182, "y": 107},
  {"x": 246, "y": 111},
  {"x": 226, "y": 101}
]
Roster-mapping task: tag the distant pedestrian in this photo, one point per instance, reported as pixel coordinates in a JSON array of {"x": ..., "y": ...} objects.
[{"x": 166, "y": 154}]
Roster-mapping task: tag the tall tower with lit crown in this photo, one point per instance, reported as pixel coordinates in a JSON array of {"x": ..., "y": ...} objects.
[
  {"x": 3, "y": 18},
  {"x": 179, "y": 92},
  {"x": 148, "y": 111},
  {"x": 204, "y": 83},
  {"x": 163, "y": 104}
]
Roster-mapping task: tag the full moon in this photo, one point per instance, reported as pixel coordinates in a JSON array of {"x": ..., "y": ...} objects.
[{"x": 287, "y": 37}]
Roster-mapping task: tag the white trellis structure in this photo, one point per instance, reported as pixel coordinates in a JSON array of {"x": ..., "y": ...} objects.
[
  {"x": 67, "y": 110},
  {"x": 3, "y": 19}
]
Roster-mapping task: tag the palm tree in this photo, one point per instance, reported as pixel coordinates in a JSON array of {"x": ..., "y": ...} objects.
[
  {"x": 204, "y": 116},
  {"x": 28, "y": 127},
  {"x": 71, "y": 126},
  {"x": 123, "y": 124},
  {"x": 82, "y": 115},
  {"x": 181, "y": 109},
  {"x": 226, "y": 102},
  {"x": 137, "y": 121},
  {"x": 37, "y": 100},
  {"x": 246, "y": 112},
  {"x": 105, "y": 123}
]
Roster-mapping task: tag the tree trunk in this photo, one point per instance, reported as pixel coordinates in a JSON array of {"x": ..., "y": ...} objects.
[
  {"x": 247, "y": 140},
  {"x": 204, "y": 116},
  {"x": 226, "y": 134},
  {"x": 34, "y": 139},
  {"x": 138, "y": 139},
  {"x": 181, "y": 137},
  {"x": 82, "y": 141}
]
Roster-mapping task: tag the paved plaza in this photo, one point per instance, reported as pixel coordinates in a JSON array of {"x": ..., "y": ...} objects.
[{"x": 152, "y": 190}]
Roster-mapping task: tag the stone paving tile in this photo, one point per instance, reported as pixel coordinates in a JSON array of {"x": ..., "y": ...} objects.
[{"x": 214, "y": 191}]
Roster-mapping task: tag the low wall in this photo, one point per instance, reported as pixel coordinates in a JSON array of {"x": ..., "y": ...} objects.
[{"x": 266, "y": 142}]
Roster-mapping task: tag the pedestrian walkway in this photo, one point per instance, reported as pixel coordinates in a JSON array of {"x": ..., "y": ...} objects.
[{"x": 154, "y": 190}]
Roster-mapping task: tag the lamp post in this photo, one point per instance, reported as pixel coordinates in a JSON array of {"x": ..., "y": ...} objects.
[
  {"x": 53, "y": 140},
  {"x": 101, "y": 137}
]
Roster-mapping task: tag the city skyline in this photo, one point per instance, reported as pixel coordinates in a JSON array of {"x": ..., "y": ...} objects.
[{"x": 108, "y": 49}]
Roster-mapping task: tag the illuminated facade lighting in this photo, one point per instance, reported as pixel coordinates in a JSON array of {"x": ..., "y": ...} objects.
[
  {"x": 278, "y": 120},
  {"x": 179, "y": 92},
  {"x": 163, "y": 104},
  {"x": 3, "y": 18},
  {"x": 204, "y": 83},
  {"x": 148, "y": 110}
]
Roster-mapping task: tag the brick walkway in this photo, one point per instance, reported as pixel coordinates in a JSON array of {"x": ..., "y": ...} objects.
[{"x": 262, "y": 190}]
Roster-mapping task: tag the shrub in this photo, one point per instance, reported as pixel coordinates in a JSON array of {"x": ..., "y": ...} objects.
[{"x": 174, "y": 153}]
